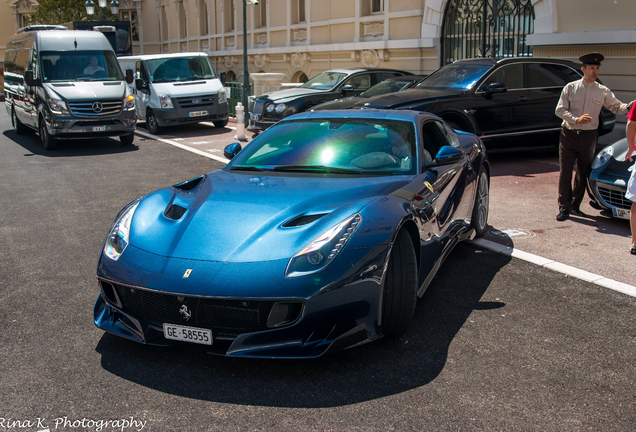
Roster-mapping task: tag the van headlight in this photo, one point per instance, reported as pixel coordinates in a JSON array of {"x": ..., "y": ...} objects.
[
  {"x": 129, "y": 103},
  {"x": 165, "y": 101},
  {"x": 221, "y": 96},
  {"x": 322, "y": 251},
  {"x": 57, "y": 106},
  {"x": 119, "y": 235}
]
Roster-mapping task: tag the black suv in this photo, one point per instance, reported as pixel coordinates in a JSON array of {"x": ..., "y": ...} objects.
[
  {"x": 268, "y": 108},
  {"x": 508, "y": 103}
]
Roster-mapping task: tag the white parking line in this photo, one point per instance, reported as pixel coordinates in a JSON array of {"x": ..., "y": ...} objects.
[
  {"x": 181, "y": 146},
  {"x": 556, "y": 266}
]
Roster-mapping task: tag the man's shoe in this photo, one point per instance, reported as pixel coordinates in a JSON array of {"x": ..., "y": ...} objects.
[
  {"x": 577, "y": 212},
  {"x": 632, "y": 250},
  {"x": 563, "y": 216}
]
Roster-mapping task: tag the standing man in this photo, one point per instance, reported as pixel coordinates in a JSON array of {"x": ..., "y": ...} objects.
[
  {"x": 631, "y": 185},
  {"x": 579, "y": 107}
]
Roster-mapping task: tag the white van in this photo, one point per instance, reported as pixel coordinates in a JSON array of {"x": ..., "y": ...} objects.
[
  {"x": 67, "y": 84},
  {"x": 176, "y": 89}
]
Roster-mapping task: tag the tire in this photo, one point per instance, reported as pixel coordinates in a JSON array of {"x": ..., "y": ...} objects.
[
  {"x": 400, "y": 287},
  {"x": 48, "y": 142},
  {"x": 18, "y": 127},
  {"x": 220, "y": 123},
  {"x": 151, "y": 123},
  {"x": 479, "y": 218},
  {"x": 127, "y": 139}
]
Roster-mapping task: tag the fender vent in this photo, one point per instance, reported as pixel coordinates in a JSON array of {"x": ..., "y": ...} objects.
[
  {"x": 175, "y": 212},
  {"x": 303, "y": 220},
  {"x": 189, "y": 185}
]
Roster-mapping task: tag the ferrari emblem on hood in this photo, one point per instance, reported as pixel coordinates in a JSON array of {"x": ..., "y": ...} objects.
[{"x": 187, "y": 273}]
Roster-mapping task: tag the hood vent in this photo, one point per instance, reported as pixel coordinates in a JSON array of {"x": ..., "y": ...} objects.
[
  {"x": 189, "y": 185},
  {"x": 175, "y": 212},
  {"x": 303, "y": 220}
]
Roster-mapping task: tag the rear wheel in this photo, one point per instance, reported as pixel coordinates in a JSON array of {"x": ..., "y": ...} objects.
[
  {"x": 48, "y": 142},
  {"x": 151, "y": 123},
  {"x": 18, "y": 127},
  {"x": 127, "y": 139},
  {"x": 479, "y": 219},
  {"x": 220, "y": 123},
  {"x": 400, "y": 287}
]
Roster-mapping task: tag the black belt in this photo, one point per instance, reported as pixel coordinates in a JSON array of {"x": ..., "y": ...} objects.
[{"x": 579, "y": 131}]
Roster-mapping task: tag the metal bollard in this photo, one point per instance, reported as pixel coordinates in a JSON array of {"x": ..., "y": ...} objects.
[{"x": 240, "y": 122}]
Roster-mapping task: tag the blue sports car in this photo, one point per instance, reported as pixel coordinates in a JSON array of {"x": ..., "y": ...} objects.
[{"x": 318, "y": 236}]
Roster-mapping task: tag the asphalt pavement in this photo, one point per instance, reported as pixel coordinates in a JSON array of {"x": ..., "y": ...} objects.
[{"x": 497, "y": 343}]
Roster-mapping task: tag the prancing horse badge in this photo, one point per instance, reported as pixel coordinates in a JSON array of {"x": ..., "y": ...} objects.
[{"x": 187, "y": 273}]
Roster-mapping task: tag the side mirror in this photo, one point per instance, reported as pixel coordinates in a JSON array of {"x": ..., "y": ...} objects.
[
  {"x": 232, "y": 150},
  {"x": 130, "y": 78},
  {"x": 448, "y": 155},
  {"x": 495, "y": 88},
  {"x": 222, "y": 77},
  {"x": 29, "y": 80},
  {"x": 347, "y": 89},
  {"x": 141, "y": 85}
]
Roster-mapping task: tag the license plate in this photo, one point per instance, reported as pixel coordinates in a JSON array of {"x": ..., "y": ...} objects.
[
  {"x": 99, "y": 128},
  {"x": 620, "y": 213},
  {"x": 197, "y": 113},
  {"x": 255, "y": 117},
  {"x": 187, "y": 334}
]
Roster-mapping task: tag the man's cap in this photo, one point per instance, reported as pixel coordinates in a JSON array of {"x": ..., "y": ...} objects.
[{"x": 592, "y": 58}]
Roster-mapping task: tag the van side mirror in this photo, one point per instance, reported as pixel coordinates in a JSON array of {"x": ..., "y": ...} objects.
[
  {"x": 141, "y": 85},
  {"x": 29, "y": 80},
  {"x": 130, "y": 77}
]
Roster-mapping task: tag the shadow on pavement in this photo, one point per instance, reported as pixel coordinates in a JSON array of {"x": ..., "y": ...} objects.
[{"x": 368, "y": 372}]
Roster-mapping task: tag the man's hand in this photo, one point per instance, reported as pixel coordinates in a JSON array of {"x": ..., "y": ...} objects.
[{"x": 584, "y": 119}]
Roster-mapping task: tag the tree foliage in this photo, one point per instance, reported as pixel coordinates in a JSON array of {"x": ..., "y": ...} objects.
[{"x": 64, "y": 11}]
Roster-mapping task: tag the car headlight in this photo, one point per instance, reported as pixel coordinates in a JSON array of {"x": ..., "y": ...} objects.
[
  {"x": 280, "y": 108},
  {"x": 603, "y": 157},
  {"x": 324, "y": 249},
  {"x": 221, "y": 96},
  {"x": 119, "y": 235},
  {"x": 165, "y": 100},
  {"x": 129, "y": 103},
  {"x": 58, "y": 106},
  {"x": 270, "y": 107}
]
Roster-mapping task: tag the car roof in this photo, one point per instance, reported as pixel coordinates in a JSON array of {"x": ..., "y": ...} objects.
[
  {"x": 354, "y": 70},
  {"x": 403, "y": 115},
  {"x": 405, "y": 78},
  {"x": 162, "y": 56},
  {"x": 503, "y": 60}
]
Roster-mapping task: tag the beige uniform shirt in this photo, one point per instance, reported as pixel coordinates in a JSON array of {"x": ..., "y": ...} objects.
[{"x": 579, "y": 97}]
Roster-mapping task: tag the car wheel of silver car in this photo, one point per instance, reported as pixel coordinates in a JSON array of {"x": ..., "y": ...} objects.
[
  {"x": 18, "y": 127},
  {"x": 48, "y": 142},
  {"x": 400, "y": 287},
  {"x": 220, "y": 123},
  {"x": 151, "y": 123},
  {"x": 479, "y": 219},
  {"x": 127, "y": 139}
]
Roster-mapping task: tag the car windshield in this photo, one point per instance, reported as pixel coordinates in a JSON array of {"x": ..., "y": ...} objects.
[
  {"x": 385, "y": 87},
  {"x": 337, "y": 146},
  {"x": 180, "y": 69},
  {"x": 80, "y": 66},
  {"x": 324, "y": 81},
  {"x": 456, "y": 75}
]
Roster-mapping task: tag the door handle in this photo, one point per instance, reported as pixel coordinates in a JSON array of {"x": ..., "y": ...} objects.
[{"x": 523, "y": 99}]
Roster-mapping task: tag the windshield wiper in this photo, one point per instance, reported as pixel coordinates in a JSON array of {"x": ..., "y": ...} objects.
[
  {"x": 323, "y": 168},
  {"x": 247, "y": 168}
]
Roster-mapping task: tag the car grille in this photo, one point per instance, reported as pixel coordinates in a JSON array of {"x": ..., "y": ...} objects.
[
  {"x": 201, "y": 101},
  {"x": 85, "y": 108},
  {"x": 614, "y": 198},
  {"x": 255, "y": 107},
  {"x": 226, "y": 318}
]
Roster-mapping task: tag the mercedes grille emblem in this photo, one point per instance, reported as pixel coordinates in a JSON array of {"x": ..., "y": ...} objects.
[{"x": 97, "y": 107}]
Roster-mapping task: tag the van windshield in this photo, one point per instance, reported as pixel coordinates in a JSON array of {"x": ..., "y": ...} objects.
[
  {"x": 179, "y": 69},
  {"x": 80, "y": 66}
]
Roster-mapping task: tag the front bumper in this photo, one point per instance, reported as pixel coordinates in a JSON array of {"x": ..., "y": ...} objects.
[
  {"x": 608, "y": 192},
  {"x": 182, "y": 114},
  {"x": 69, "y": 127}
]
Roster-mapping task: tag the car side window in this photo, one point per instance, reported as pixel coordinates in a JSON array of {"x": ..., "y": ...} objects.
[
  {"x": 359, "y": 82},
  {"x": 511, "y": 76},
  {"x": 542, "y": 75},
  {"x": 434, "y": 137}
]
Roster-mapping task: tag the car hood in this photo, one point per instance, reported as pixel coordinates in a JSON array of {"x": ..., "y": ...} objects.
[
  {"x": 344, "y": 103},
  {"x": 82, "y": 90},
  {"x": 617, "y": 166},
  {"x": 248, "y": 217},
  {"x": 407, "y": 97},
  {"x": 282, "y": 95}
]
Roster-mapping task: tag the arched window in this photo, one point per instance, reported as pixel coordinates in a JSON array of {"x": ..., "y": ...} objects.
[{"x": 486, "y": 28}]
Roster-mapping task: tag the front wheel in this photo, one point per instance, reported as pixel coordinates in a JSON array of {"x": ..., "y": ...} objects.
[
  {"x": 479, "y": 219},
  {"x": 220, "y": 123},
  {"x": 400, "y": 287},
  {"x": 127, "y": 139},
  {"x": 151, "y": 123},
  {"x": 48, "y": 142}
]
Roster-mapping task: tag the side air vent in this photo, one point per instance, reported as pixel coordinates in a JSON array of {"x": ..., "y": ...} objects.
[
  {"x": 175, "y": 212},
  {"x": 189, "y": 185},
  {"x": 303, "y": 220}
]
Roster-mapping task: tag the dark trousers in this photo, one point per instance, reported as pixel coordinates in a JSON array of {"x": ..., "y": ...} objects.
[{"x": 574, "y": 149}]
